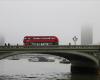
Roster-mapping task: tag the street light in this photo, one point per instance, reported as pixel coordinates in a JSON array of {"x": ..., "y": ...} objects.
[{"x": 75, "y": 39}]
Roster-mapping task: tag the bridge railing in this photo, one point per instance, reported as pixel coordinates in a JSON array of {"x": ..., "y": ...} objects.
[{"x": 55, "y": 46}]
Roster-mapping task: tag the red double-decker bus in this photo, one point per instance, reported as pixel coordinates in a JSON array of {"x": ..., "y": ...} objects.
[{"x": 40, "y": 40}]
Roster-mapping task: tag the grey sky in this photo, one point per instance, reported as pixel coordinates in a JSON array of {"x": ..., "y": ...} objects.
[{"x": 62, "y": 18}]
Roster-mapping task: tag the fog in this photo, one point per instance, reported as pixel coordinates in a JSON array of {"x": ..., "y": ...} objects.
[{"x": 61, "y": 18}]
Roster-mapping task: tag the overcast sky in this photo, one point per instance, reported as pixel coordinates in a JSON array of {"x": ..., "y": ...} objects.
[{"x": 62, "y": 18}]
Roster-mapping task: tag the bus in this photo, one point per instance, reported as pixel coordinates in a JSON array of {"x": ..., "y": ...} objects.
[{"x": 40, "y": 40}]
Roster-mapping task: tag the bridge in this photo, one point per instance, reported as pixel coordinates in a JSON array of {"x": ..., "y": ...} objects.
[{"x": 83, "y": 58}]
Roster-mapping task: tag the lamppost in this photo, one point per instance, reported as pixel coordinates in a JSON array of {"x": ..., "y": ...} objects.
[{"x": 75, "y": 39}]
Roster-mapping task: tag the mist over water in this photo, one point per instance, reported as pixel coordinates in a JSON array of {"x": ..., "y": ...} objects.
[
  {"x": 23, "y": 66},
  {"x": 23, "y": 69}
]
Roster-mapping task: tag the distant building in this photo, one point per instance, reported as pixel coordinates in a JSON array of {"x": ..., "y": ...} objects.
[
  {"x": 86, "y": 35},
  {"x": 2, "y": 40}
]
